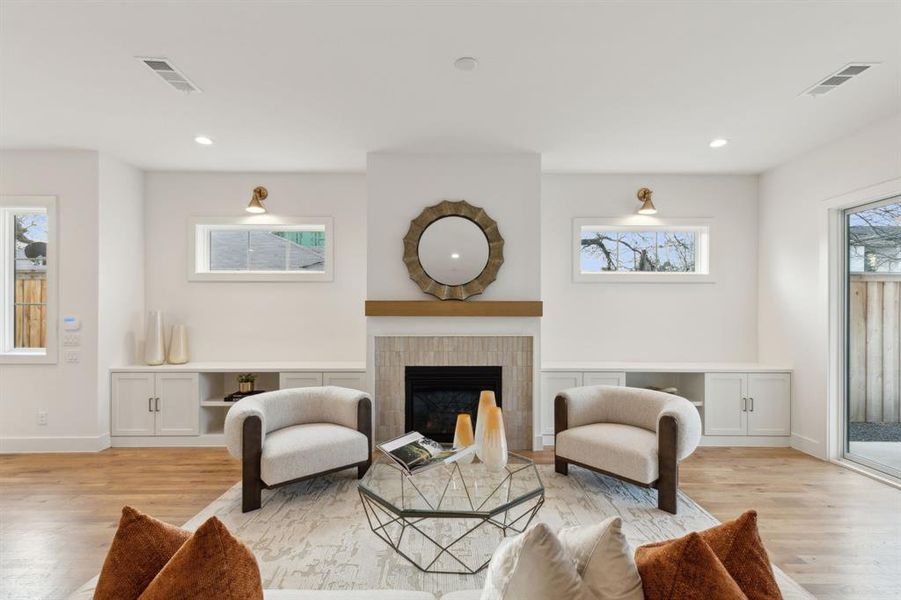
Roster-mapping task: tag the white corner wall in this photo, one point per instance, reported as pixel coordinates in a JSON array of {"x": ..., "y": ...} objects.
[
  {"x": 680, "y": 322},
  {"x": 793, "y": 317},
  {"x": 240, "y": 321},
  {"x": 68, "y": 392},
  {"x": 121, "y": 272}
]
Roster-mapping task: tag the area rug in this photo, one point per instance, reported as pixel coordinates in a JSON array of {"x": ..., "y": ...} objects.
[{"x": 315, "y": 535}]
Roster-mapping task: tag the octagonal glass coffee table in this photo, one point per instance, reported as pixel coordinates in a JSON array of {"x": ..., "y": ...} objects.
[{"x": 450, "y": 519}]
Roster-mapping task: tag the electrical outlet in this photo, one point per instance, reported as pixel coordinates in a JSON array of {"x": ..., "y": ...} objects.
[
  {"x": 42, "y": 417},
  {"x": 73, "y": 357},
  {"x": 72, "y": 339}
]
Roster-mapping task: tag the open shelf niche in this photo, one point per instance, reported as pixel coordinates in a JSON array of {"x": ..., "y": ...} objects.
[
  {"x": 214, "y": 387},
  {"x": 690, "y": 385}
]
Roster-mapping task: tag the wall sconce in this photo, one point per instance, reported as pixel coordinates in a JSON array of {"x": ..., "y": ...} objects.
[
  {"x": 647, "y": 207},
  {"x": 256, "y": 201}
]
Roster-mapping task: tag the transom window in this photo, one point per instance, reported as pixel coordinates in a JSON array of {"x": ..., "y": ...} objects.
[
  {"x": 243, "y": 249},
  {"x": 613, "y": 250},
  {"x": 28, "y": 279}
]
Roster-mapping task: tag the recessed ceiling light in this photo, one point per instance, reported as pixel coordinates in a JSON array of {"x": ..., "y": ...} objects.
[
  {"x": 203, "y": 140},
  {"x": 466, "y": 63},
  {"x": 718, "y": 142},
  {"x": 455, "y": 255}
]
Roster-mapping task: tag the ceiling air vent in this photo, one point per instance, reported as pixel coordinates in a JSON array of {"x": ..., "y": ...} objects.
[
  {"x": 170, "y": 74},
  {"x": 836, "y": 79}
]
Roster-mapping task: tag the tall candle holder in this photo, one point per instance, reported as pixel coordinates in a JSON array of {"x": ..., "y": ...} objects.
[{"x": 463, "y": 436}]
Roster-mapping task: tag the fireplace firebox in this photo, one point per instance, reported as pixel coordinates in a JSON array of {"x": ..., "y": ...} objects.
[{"x": 436, "y": 395}]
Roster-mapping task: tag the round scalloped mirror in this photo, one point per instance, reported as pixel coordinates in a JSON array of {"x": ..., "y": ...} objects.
[{"x": 453, "y": 250}]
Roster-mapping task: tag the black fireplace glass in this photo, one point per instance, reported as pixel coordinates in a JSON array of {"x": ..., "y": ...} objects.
[{"x": 436, "y": 395}]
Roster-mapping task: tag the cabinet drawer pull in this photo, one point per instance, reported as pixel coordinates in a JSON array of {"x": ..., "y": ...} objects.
[
  {"x": 752, "y": 404},
  {"x": 744, "y": 405},
  {"x": 150, "y": 404},
  {"x": 157, "y": 404}
]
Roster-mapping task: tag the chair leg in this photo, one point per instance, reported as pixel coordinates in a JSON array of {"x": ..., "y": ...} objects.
[
  {"x": 251, "y": 495},
  {"x": 561, "y": 466},
  {"x": 361, "y": 469},
  {"x": 668, "y": 465}
]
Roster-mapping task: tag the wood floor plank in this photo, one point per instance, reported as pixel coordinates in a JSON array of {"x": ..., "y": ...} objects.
[{"x": 836, "y": 532}]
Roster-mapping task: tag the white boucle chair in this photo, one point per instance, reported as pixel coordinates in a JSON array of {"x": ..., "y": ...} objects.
[
  {"x": 633, "y": 434},
  {"x": 290, "y": 435}
]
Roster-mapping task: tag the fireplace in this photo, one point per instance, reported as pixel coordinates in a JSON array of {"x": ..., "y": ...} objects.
[{"x": 436, "y": 395}]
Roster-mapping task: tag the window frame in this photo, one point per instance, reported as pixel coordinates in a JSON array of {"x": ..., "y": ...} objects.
[
  {"x": 8, "y": 353},
  {"x": 634, "y": 223},
  {"x": 198, "y": 248}
]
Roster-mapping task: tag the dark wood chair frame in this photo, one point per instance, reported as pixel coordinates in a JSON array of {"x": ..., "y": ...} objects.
[
  {"x": 667, "y": 483},
  {"x": 252, "y": 484}
]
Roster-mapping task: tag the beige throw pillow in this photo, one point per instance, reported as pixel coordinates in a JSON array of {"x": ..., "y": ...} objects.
[
  {"x": 603, "y": 559},
  {"x": 533, "y": 566}
]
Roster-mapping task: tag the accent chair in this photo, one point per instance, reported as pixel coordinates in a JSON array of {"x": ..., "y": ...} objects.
[
  {"x": 291, "y": 435},
  {"x": 633, "y": 434}
]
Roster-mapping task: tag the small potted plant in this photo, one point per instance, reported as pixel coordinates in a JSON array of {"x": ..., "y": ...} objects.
[{"x": 245, "y": 382}]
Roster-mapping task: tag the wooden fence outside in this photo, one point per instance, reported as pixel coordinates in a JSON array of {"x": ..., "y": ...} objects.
[
  {"x": 874, "y": 348},
  {"x": 31, "y": 311}
]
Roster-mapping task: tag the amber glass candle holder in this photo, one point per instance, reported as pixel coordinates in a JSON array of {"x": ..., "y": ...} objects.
[
  {"x": 486, "y": 401},
  {"x": 493, "y": 451},
  {"x": 463, "y": 435}
]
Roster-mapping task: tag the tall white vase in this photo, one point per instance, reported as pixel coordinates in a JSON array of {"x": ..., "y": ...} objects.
[
  {"x": 178, "y": 345},
  {"x": 154, "y": 350},
  {"x": 486, "y": 401},
  {"x": 493, "y": 451}
]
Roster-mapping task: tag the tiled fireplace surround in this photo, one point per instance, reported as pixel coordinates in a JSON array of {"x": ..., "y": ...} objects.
[{"x": 512, "y": 353}]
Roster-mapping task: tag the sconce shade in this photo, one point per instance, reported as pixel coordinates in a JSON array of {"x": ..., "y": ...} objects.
[
  {"x": 256, "y": 201},
  {"x": 647, "y": 206}
]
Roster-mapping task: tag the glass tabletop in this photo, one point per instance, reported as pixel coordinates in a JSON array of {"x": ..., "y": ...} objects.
[{"x": 456, "y": 489}]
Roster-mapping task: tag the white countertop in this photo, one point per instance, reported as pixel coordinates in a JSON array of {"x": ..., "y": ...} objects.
[
  {"x": 248, "y": 367},
  {"x": 664, "y": 367}
]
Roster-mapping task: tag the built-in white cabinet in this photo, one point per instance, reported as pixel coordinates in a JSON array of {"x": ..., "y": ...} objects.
[
  {"x": 155, "y": 404},
  {"x": 352, "y": 380},
  {"x": 287, "y": 381},
  {"x": 604, "y": 378},
  {"x": 747, "y": 404},
  {"x": 554, "y": 382}
]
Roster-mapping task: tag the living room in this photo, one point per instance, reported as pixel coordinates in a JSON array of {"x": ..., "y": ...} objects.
[{"x": 634, "y": 266}]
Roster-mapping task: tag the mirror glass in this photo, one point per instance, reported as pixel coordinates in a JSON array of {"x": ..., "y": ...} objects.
[{"x": 453, "y": 250}]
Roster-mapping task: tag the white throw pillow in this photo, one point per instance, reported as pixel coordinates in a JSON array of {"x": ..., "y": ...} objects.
[
  {"x": 604, "y": 560},
  {"x": 533, "y": 566}
]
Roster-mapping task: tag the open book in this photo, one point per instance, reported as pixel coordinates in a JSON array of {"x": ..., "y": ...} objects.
[{"x": 413, "y": 452}]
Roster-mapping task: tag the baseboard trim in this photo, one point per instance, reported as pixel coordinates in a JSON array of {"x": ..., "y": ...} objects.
[
  {"x": 808, "y": 446},
  {"x": 41, "y": 444},
  {"x": 210, "y": 440},
  {"x": 745, "y": 441}
]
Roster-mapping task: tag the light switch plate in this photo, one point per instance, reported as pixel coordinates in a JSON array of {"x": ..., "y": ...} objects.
[
  {"x": 73, "y": 357},
  {"x": 72, "y": 339}
]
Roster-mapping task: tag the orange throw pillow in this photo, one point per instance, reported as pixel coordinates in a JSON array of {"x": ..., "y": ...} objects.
[
  {"x": 141, "y": 548},
  {"x": 738, "y": 546},
  {"x": 212, "y": 564},
  {"x": 684, "y": 569}
]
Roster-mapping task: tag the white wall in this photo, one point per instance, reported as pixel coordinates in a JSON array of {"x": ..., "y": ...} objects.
[
  {"x": 793, "y": 290},
  {"x": 68, "y": 392},
  {"x": 121, "y": 272},
  {"x": 680, "y": 322},
  {"x": 242, "y": 321},
  {"x": 507, "y": 186}
]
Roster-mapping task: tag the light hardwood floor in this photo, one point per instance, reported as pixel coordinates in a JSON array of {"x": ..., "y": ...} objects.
[{"x": 836, "y": 532}]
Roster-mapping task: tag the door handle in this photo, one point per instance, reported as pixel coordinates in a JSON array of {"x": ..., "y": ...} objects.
[
  {"x": 150, "y": 404},
  {"x": 157, "y": 404},
  {"x": 752, "y": 404}
]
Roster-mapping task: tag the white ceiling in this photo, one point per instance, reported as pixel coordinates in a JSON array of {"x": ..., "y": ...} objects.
[{"x": 615, "y": 86}]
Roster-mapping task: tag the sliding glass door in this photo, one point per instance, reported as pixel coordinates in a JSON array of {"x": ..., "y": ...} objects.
[{"x": 872, "y": 274}]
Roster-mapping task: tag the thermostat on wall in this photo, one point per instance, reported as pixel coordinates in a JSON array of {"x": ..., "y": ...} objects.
[{"x": 71, "y": 323}]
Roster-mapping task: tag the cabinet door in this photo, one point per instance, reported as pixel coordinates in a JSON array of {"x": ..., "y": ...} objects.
[
  {"x": 132, "y": 403},
  {"x": 354, "y": 381},
  {"x": 179, "y": 404},
  {"x": 288, "y": 381},
  {"x": 725, "y": 403},
  {"x": 604, "y": 378},
  {"x": 551, "y": 384},
  {"x": 769, "y": 404}
]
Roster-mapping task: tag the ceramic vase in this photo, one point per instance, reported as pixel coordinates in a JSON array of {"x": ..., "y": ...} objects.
[
  {"x": 463, "y": 436},
  {"x": 486, "y": 401},
  {"x": 154, "y": 350},
  {"x": 178, "y": 345},
  {"x": 494, "y": 444}
]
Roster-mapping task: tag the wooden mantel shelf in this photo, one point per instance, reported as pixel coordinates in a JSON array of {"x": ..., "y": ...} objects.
[{"x": 453, "y": 308}]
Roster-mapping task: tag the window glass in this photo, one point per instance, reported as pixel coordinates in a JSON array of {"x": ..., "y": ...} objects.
[
  {"x": 635, "y": 250},
  {"x": 30, "y": 279},
  {"x": 267, "y": 250}
]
